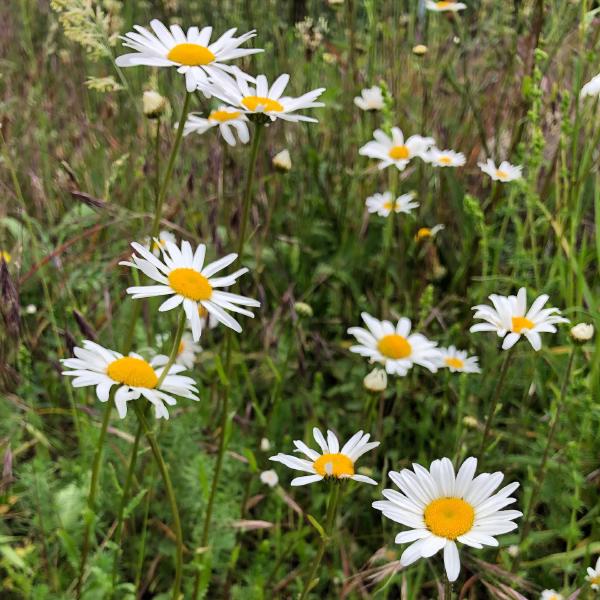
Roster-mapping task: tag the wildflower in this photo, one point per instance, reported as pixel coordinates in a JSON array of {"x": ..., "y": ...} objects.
[
  {"x": 593, "y": 576},
  {"x": 458, "y": 361},
  {"x": 269, "y": 478},
  {"x": 376, "y": 380},
  {"x": 333, "y": 462},
  {"x": 225, "y": 118},
  {"x": 513, "y": 550},
  {"x": 504, "y": 173},
  {"x": 370, "y": 99},
  {"x": 582, "y": 332},
  {"x": 395, "y": 150},
  {"x": 394, "y": 346},
  {"x": 187, "y": 351},
  {"x": 445, "y": 158},
  {"x": 510, "y": 319},
  {"x": 192, "y": 53},
  {"x": 153, "y": 104},
  {"x": 420, "y": 49},
  {"x": 183, "y": 276},
  {"x": 427, "y": 232},
  {"x": 159, "y": 243},
  {"x": 265, "y": 444},
  {"x": 282, "y": 161},
  {"x": 103, "y": 368},
  {"x": 591, "y": 88},
  {"x": 442, "y": 508},
  {"x": 444, "y": 5},
  {"x": 5, "y": 256},
  {"x": 31, "y": 309},
  {"x": 551, "y": 595},
  {"x": 384, "y": 204}
]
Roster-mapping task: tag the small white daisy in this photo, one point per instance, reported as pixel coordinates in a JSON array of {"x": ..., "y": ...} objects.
[
  {"x": 333, "y": 462},
  {"x": 384, "y": 204},
  {"x": 370, "y": 99},
  {"x": 187, "y": 351},
  {"x": 458, "y": 361},
  {"x": 442, "y": 508},
  {"x": 394, "y": 347},
  {"x": 503, "y": 173},
  {"x": 591, "y": 88},
  {"x": 444, "y": 5},
  {"x": 191, "y": 52},
  {"x": 182, "y": 275},
  {"x": 282, "y": 161},
  {"x": 159, "y": 243},
  {"x": 551, "y": 595},
  {"x": 395, "y": 150},
  {"x": 445, "y": 158},
  {"x": 424, "y": 233},
  {"x": 263, "y": 99},
  {"x": 269, "y": 478},
  {"x": 510, "y": 319},
  {"x": 225, "y": 118},
  {"x": 593, "y": 576},
  {"x": 103, "y": 368}
]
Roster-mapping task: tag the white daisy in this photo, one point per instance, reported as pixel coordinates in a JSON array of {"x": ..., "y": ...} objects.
[
  {"x": 192, "y": 53},
  {"x": 445, "y": 158},
  {"x": 395, "y": 150},
  {"x": 442, "y": 508},
  {"x": 370, "y": 99},
  {"x": 510, "y": 319},
  {"x": 384, "y": 204},
  {"x": 591, "y": 88},
  {"x": 159, "y": 243},
  {"x": 333, "y": 462},
  {"x": 182, "y": 275},
  {"x": 593, "y": 576},
  {"x": 551, "y": 595},
  {"x": 444, "y": 5},
  {"x": 503, "y": 173},
  {"x": 428, "y": 232},
  {"x": 187, "y": 351},
  {"x": 225, "y": 118},
  {"x": 269, "y": 478},
  {"x": 103, "y": 368},
  {"x": 458, "y": 361},
  {"x": 265, "y": 100},
  {"x": 394, "y": 347}
]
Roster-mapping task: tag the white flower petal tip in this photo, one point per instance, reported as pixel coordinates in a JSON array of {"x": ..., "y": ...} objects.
[
  {"x": 504, "y": 173},
  {"x": 370, "y": 99}
]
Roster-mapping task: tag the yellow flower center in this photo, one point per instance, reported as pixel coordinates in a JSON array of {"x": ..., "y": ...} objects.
[
  {"x": 202, "y": 312},
  {"x": 190, "y": 284},
  {"x": 449, "y": 517},
  {"x": 394, "y": 346},
  {"x": 399, "y": 153},
  {"x": 158, "y": 245},
  {"x": 388, "y": 205},
  {"x": 181, "y": 348},
  {"x": 424, "y": 232},
  {"x": 223, "y": 115},
  {"x": 445, "y": 160},
  {"x": 520, "y": 323},
  {"x": 132, "y": 371},
  {"x": 455, "y": 363},
  {"x": 191, "y": 55},
  {"x": 595, "y": 580},
  {"x": 253, "y": 102},
  {"x": 334, "y": 465},
  {"x": 500, "y": 174},
  {"x": 6, "y": 256},
  {"x": 445, "y": 3}
]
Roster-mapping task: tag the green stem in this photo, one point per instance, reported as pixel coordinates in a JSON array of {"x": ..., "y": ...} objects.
[
  {"x": 174, "y": 348},
  {"x": 447, "y": 589}
]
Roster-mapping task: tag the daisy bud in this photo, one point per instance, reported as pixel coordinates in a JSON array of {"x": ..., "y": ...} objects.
[
  {"x": 31, "y": 309},
  {"x": 582, "y": 332},
  {"x": 469, "y": 421},
  {"x": 282, "y": 161},
  {"x": 513, "y": 550},
  {"x": 269, "y": 478},
  {"x": 154, "y": 104},
  {"x": 420, "y": 49},
  {"x": 265, "y": 445},
  {"x": 376, "y": 380},
  {"x": 303, "y": 309}
]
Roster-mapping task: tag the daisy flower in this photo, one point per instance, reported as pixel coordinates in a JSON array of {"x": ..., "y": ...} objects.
[
  {"x": 458, "y": 361},
  {"x": 187, "y": 351},
  {"x": 444, "y": 6},
  {"x": 384, "y": 204},
  {"x": 504, "y": 173},
  {"x": 265, "y": 100},
  {"x": 593, "y": 576},
  {"x": 510, "y": 319},
  {"x": 442, "y": 508},
  {"x": 184, "y": 277},
  {"x": 225, "y": 118},
  {"x": 551, "y": 595},
  {"x": 394, "y": 347},
  {"x": 103, "y": 368},
  {"x": 332, "y": 462},
  {"x": 428, "y": 232},
  {"x": 591, "y": 88},
  {"x": 445, "y": 158},
  {"x": 191, "y": 52},
  {"x": 370, "y": 99},
  {"x": 159, "y": 243},
  {"x": 395, "y": 150}
]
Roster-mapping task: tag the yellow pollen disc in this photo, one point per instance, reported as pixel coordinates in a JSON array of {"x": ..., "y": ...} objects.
[
  {"x": 595, "y": 580},
  {"x": 6, "y": 256},
  {"x": 190, "y": 284},
  {"x": 267, "y": 105},
  {"x": 520, "y": 323},
  {"x": 191, "y": 55},
  {"x": 455, "y": 363},
  {"x": 389, "y": 205},
  {"x": 445, "y": 160},
  {"x": 132, "y": 371},
  {"x": 449, "y": 517},
  {"x": 334, "y": 465},
  {"x": 394, "y": 346},
  {"x": 444, "y": 4},
  {"x": 399, "y": 153},
  {"x": 501, "y": 174},
  {"x": 424, "y": 232},
  {"x": 223, "y": 115}
]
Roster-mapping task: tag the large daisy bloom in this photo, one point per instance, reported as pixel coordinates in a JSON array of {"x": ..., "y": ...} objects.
[
  {"x": 331, "y": 462},
  {"x": 442, "y": 508},
  {"x": 458, "y": 361},
  {"x": 184, "y": 277},
  {"x": 593, "y": 576},
  {"x": 103, "y": 368},
  {"x": 591, "y": 88},
  {"x": 510, "y": 319},
  {"x": 504, "y": 173},
  {"x": 191, "y": 52},
  {"x": 395, "y": 150},
  {"x": 394, "y": 346},
  {"x": 370, "y": 99},
  {"x": 444, "y": 6},
  {"x": 226, "y": 119},
  {"x": 445, "y": 158},
  {"x": 384, "y": 204},
  {"x": 264, "y": 99}
]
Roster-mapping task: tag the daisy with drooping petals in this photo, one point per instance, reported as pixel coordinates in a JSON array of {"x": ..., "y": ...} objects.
[
  {"x": 593, "y": 576},
  {"x": 187, "y": 351},
  {"x": 424, "y": 233},
  {"x": 384, "y": 204},
  {"x": 445, "y": 158},
  {"x": 370, "y": 99},
  {"x": 159, "y": 243},
  {"x": 458, "y": 361},
  {"x": 265, "y": 100},
  {"x": 191, "y": 52},
  {"x": 444, "y": 5},
  {"x": 333, "y": 462},
  {"x": 225, "y": 118},
  {"x": 591, "y": 88},
  {"x": 510, "y": 319},
  {"x": 103, "y": 368},
  {"x": 395, "y": 150},
  {"x": 183, "y": 275},
  {"x": 503, "y": 173},
  {"x": 551, "y": 595},
  {"x": 394, "y": 347},
  {"x": 442, "y": 508}
]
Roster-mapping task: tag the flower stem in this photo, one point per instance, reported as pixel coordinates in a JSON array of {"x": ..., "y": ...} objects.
[
  {"x": 174, "y": 348},
  {"x": 447, "y": 588}
]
